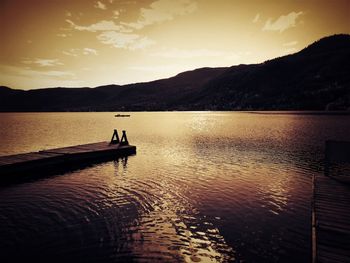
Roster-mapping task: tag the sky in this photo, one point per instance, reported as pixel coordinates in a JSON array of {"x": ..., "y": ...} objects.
[{"x": 83, "y": 43}]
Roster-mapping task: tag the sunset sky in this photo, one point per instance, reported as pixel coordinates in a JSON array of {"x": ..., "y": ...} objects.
[{"x": 50, "y": 43}]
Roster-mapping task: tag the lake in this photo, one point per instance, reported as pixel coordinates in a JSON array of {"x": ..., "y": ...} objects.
[{"x": 203, "y": 187}]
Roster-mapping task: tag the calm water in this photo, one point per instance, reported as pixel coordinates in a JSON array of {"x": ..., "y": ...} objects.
[{"x": 203, "y": 187}]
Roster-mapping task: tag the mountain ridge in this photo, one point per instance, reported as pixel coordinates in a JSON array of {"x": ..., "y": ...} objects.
[{"x": 315, "y": 78}]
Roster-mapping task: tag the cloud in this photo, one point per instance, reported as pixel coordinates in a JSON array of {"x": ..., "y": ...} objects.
[
  {"x": 162, "y": 10},
  {"x": 103, "y": 25},
  {"x": 71, "y": 52},
  {"x": 56, "y": 73},
  {"x": 43, "y": 62},
  {"x": 256, "y": 18},
  {"x": 282, "y": 23},
  {"x": 122, "y": 40},
  {"x": 100, "y": 5},
  {"x": 120, "y": 35},
  {"x": 74, "y": 52},
  {"x": 293, "y": 43},
  {"x": 117, "y": 39},
  {"x": 88, "y": 51},
  {"x": 113, "y": 34},
  {"x": 183, "y": 53}
]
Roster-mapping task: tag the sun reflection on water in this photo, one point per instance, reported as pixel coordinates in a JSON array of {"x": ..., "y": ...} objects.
[{"x": 170, "y": 232}]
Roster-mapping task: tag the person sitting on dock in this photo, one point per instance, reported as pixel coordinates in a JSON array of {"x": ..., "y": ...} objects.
[
  {"x": 122, "y": 141},
  {"x": 116, "y": 139}
]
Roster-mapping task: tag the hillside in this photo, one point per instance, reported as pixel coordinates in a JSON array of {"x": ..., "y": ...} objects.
[
  {"x": 316, "y": 78},
  {"x": 140, "y": 96}
]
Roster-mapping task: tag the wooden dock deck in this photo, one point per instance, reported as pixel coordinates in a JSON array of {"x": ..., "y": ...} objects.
[
  {"x": 331, "y": 220},
  {"x": 21, "y": 164}
]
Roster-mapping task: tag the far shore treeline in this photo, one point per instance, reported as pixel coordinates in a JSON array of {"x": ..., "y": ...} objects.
[{"x": 316, "y": 78}]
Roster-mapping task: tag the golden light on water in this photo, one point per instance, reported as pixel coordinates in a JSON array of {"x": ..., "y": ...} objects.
[{"x": 91, "y": 43}]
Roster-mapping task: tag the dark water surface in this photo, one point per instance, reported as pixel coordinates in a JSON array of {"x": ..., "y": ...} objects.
[{"x": 203, "y": 187}]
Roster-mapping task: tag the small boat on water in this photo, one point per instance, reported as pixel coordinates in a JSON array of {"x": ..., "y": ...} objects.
[{"x": 122, "y": 115}]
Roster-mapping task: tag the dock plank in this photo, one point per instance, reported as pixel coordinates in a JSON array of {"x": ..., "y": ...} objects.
[
  {"x": 93, "y": 147},
  {"x": 13, "y": 159},
  {"x": 332, "y": 219}
]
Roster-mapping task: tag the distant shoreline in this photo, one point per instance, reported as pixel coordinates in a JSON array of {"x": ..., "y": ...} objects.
[
  {"x": 301, "y": 112},
  {"x": 267, "y": 112}
]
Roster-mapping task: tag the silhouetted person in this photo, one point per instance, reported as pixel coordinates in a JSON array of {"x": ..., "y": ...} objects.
[
  {"x": 116, "y": 140},
  {"x": 124, "y": 139}
]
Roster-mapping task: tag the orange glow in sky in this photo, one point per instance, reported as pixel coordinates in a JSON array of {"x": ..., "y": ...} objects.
[{"x": 90, "y": 43}]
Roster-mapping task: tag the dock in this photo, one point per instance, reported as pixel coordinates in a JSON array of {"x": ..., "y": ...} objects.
[
  {"x": 331, "y": 209},
  {"x": 45, "y": 160}
]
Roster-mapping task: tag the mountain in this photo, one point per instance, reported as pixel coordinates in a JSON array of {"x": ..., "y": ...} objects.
[
  {"x": 154, "y": 95},
  {"x": 316, "y": 78}
]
